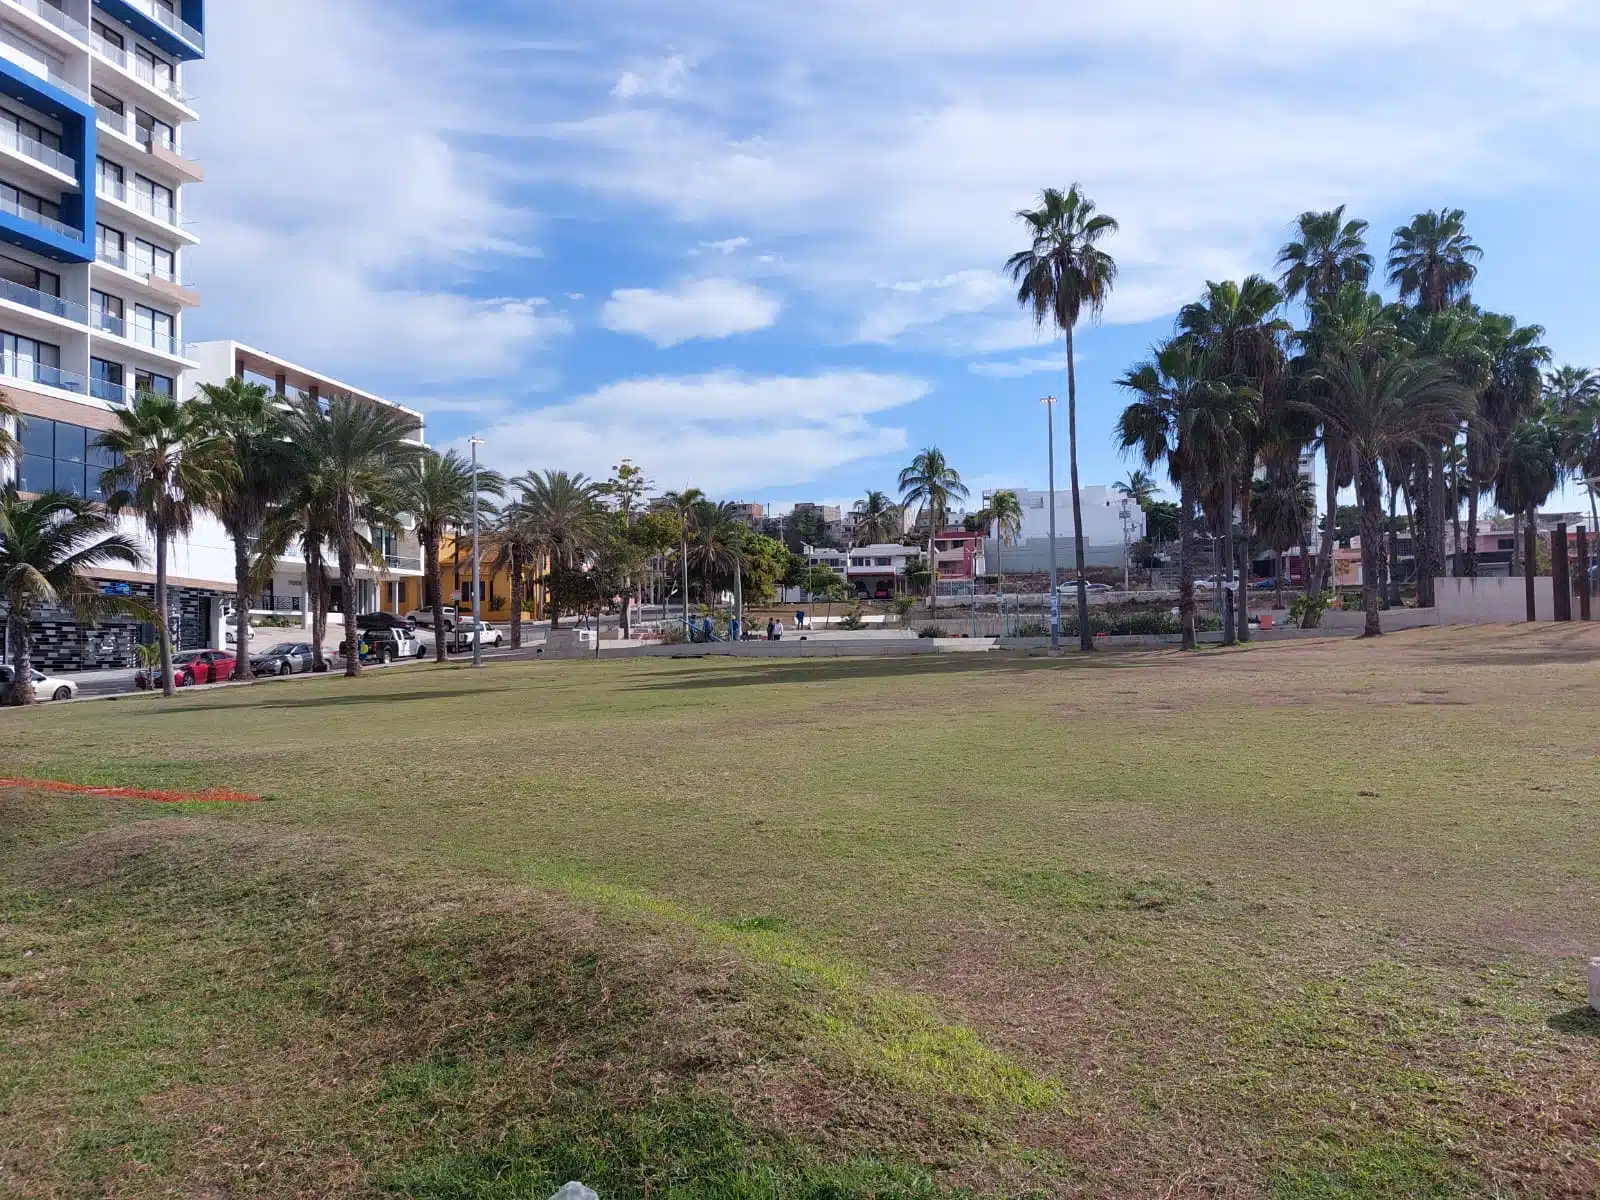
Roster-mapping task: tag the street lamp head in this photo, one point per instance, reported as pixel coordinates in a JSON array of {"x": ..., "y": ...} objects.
[
  {"x": 475, "y": 440},
  {"x": 1047, "y": 400}
]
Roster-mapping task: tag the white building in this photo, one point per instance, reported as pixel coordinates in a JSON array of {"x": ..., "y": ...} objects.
[
  {"x": 879, "y": 569},
  {"x": 1108, "y": 524}
]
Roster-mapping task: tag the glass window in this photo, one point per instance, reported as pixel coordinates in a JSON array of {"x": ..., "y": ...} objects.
[
  {"x": 148, "y": 381},
  {"x": 39, "y": 437},
  {"x": 110, "y": 245},
  {"x": 70, "y": 442},
  {"x": 108, "y": 176},
  {"x": 110, "y": 35},
  {"x": 70, "y": 478},
  {"x": 38, "y": 474},
  {"x": 150, "y": 259},
  {"x": 107, "y": 312},
  {"x": 152, "y": 130},
  {"x": 106, "y": 381}
]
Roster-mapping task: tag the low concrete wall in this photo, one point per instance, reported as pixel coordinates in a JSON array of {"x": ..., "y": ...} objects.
[
  {"x": 1484, "y": 601},
  {"x": 807, "y": 648}
]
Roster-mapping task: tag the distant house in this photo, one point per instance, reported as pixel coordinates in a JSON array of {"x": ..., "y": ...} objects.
[{"x": 879, "y": 570}]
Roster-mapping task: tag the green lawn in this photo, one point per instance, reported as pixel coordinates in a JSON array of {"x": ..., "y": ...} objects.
[{"x": 1293, "y": 921}]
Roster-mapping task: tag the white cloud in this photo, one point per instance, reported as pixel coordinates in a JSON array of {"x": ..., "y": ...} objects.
[
  {"x": 664, "y": 77},
  {"x": 343, "y": 224},
  {"x": 699, "y": 308},
  {"x": 1019, "y": 368},
  {"x": 726, "y": 246},
  {"x": 722, "y": 431}
]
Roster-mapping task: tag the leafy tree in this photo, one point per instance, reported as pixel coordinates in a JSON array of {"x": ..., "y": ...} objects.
[
  {"x": 878, "y": 519},
  {"x": 437, "y": 492},
  {"x": 626, "y": 489},
  {"x": 244, "y": 421},
  {"x": 169, "y": 467},
  {"x": 717, "y": 547},
  {"x": 1062, "y": 273},
  {"x": 567, "y": 522},
  {"x": 10, "y": 447},
  {"x": 1285, "y": 506},
  {"x": 805, "y": 528},
  {"x": 357, "y": 455},
  {"x": 1329, "y": 254},
  {"x": 1161, "y": 522},
  {"x": 1004, "y": 513},
  {"x": 933, "y": 485},
  {"x": 1432, "y": 260},
  {"x": 766, "y": 562},
  {"x": 682, "y": 505},
  {"x": 1139, "y": 486},
  {"x": 49, "y": 548}
]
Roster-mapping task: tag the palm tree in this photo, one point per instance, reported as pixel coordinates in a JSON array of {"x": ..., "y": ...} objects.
[
  {"x": 932, "y": 484},
  {"x": 49, "y": 547},
  {"x": 1567, "y": 389},
  {"x": 305, "y": 513},
  {"x": 681, "y": 505},
  {"x": 1004, "y": 512},
  {"x": 878, "y": 519},
  {"x": 1139, "y": 486},
  {"x": 716, "y": 547},
  {"x": 1242, "y": 345},
  {"x": 1179, "y": 413},
  {"x": 1329, "y": 253},
  {"x": 1061, "y": 273},
  {"x": 1581, "y": 423},
  {"x": 1530, "y": 469},
  {"x": 516, "y": 548},
  {"x": 1285, "y": 503},
  {"x": 437, "y": 492},
  {"x": 1432, "y": 260},
  {"x": 247, "y": 427},
  {"x": 10, "y": 447},
  {"x": 169, "y": 466},
  {"x": 1382, "y": 406},
  {"x": 565, "y": 520},
  {"x": 357, "y": 456}
]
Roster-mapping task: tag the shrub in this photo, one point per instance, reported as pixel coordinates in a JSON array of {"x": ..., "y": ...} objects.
[
  {"x": 852, "y": 619},
  {"x": 928, "y": 631}
]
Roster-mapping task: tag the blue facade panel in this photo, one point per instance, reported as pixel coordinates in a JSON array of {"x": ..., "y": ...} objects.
[
  {"x": 72, "y": 238},
  {"x": 181, "y": 35}
]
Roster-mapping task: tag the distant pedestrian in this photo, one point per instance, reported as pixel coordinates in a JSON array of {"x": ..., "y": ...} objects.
[
  {"x": 777, "y": 631},
  {"x": 772, "y": 626},
  {"x": 800, "y": 619}
]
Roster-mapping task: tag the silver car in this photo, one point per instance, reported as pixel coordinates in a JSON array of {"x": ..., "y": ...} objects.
[
  {"x": 44, "y": 687},
  {"x": 286, "y": 658}
]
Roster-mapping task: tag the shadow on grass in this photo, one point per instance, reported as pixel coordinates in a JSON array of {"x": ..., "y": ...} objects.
[
  {"x": 382, "y": 698},
  {"x": 1577, "y": 1022},
  {"x": 826, "y": 670}
]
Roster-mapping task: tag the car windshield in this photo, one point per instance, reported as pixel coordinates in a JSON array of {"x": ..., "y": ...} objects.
[
  {"x": 188, "y": 656},
  {"x": 284, "y": 648}
]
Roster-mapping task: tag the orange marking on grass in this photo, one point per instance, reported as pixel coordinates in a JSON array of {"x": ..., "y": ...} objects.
[{"x": 159, "y": 795}]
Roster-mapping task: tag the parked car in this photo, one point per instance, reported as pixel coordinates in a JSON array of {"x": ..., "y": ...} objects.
[
  {"x": 424, "y": 616},
  {"x": 383, "y": 620},
  {"x": 44, "y": 687},
  {"x": 465, "y": 632},
  {"x": 1070, "y": 587},
  {"x": 286, "y": 658},
  {"x": 386, "y": 645},
  {"x": 229, "y": 630},
  {"x": 189, "y": 668}
]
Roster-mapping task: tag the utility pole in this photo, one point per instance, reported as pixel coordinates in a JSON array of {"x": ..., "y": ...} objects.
[
  {"x": 1049, "y": 403},
  {"x": 477, "y": 627},
  {"x": 1127, "y": 541}
]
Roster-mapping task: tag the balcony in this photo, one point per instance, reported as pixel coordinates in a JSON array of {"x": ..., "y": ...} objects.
[
  {"x": 113, "y": 394},
  {"x": 402, "y": 562},
  {"x": 53, "y": 16},
  {"x": 159, "y": 24},
  {"x": 164, "y": 215},
  {"x": 164, "y": 285},
  {"x": 43, "y": 301},
  {"x": 146, "y": 74},
  {"x": 59, "y": 228},
  {"x": 30, "y": 370},
  {"x": 141, "y": 335},
  {"x": 38, "y": 152}
]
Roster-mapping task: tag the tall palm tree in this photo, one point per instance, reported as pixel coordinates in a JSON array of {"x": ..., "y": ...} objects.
[
  {"x": 1329, "y": 253},
  {"x": 681, "y": 505},
  {"x": 1581, "y": 423},
  {"x": 357, "y": 456},
  {"x": 932, "y": 484},
  {"x": 1062, "y": 273},
  {"x": 517, "y": 548},
  {"x": 565, "y": 520},
  {"x": 305, "y": 514},
  {"x": 1432, "y": 260},
  {"x": 1567, "y": 389},
  {"x": 1530, "y": 470},
  {"x": 1242, "y": 345},
  {"x": 437, "y": 492},
  {"x": 169, "y": 467},
  {"x": 49, "y": 548},
  {"x": 1004, "y": 513},
  {"x": 1510, "y": 389},
  {"x": 1285, "y": 503},
  {"x": 1180, "y": 411},
  {"x": 878, "y": 519},
  {"x": 1139, "y": 486},
  {"x": 717, "y": 547},
  {"x": 10, "y": 447},
  {"x": 247, "y": 426},
  {"x": 1382, "y": 406}
]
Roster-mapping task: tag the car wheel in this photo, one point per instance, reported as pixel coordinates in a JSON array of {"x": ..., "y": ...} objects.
[
  {"x": 422, "y": 651},
  {"x": 62, "y": 693},
  {"x": 285, "y": 669},
  {"x": 183, "y": 681}
]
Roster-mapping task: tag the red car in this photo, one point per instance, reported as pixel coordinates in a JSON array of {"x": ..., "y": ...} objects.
[{"x": 191, "y": 667}]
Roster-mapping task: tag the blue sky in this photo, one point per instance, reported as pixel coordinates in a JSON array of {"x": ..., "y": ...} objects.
[{"x": 757, "y": 247}]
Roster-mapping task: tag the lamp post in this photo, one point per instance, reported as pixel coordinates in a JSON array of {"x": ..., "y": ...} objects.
[
  {"x": 477, "y": 626},
  {"x": 1049, "y": 403},
  {"x": 1127, "y": 540}
]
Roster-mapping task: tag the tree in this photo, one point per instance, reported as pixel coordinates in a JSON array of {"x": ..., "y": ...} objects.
[
  {"x": 1382, "y": 406},
  {"x": 1580, "y": 420},
  {"x": 1509, "y": 390},
  {"x": 566, "y": 521},
  {"x": 358, "y": 456},
  {"x": 1530, "y": 470},
  {"x": 169, "y": 466},
  {"x": 49, "y": 547},
  {"x": 1062, "y": 273},
  {"x": 1161, "y": 522},
  {"x": 1329, "y": 254},
  {"x": 1004, "y": 513},
  {"x": 805, "y": 528},
  {"x": 626, "y": 488},
  {"x": 1284, "y": 505},
  {"x": 1139, "y": 486},
  {"x": 681, "y": 505},
  {"x": 436, "y": 489},
  {"x": 10, "y": 447},
  {"x": 1432, "y": 260},
  {"x": 932, "y": 484},
  {"x": 766, "y": 562},
  {"x": 244, "y": 421},
  {"x": 659, "y": 534},
  {"x": 1178, "y": 415},
  {"x": 305, "y": 514},
  {"x": 878, "y": 519},
  {"x": 516, "y": 549},
  {"x": 716, "y": 548}
]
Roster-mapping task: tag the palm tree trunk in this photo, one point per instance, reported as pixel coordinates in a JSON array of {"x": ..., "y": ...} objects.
[
  {"x": 1422, "y": 543},
  {"x": 1472, "y": 535},
  {"x": 1425, "y": 599},
  {"x": 1277, "y": 577},
  {"x": 1244, "y": 555},
  {"x": 1455, "y": 520},
  {"x": 1085, "y": 634},
  {"x": 1230, "y": 633},
  {"x": 1530, "y": 564},
  {"x": 164, "y": 632},
  {"x": 683, "y": 560},
  {"x": 22, "y": 692},
  {"x": 1369, "y": 493},
  {"x": 241, "y": 612},
  {"x": 347, "y": 587},
  {"x": 933, "y": 580},
  {"x": 430, "y": 562},
  {"x": 1186, "y": 559},
  {"x": 517, "y": 588},
  {"x": 317, "y": 587},
  {"x": 1395, "y": 600},
  {"x": 1317, "y": 584}
]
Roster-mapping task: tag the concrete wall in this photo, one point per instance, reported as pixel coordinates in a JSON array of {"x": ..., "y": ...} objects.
[{"x": 1482, "y": 601}]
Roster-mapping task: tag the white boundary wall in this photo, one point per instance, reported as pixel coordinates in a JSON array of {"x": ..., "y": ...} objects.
[{"x": 1492, "y": 601}]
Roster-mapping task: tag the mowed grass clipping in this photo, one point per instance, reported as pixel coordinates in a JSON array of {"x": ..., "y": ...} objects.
[{"x": 1301, "y": 920}]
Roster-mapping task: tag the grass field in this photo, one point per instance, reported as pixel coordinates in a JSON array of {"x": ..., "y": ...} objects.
[{"x": 1298, "y": 921}]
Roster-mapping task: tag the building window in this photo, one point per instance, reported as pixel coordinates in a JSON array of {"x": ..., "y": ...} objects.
[
  {"x": 104, "y": 99},
  {"x": 108, "y": 178},
  {"x": 152, "y": 327},
  {"x": 150, "y": 259},
  {"x": 109, "y": 35},
  {"x": 26, "y": 358},
  {"x": 30, "y": 277},
  {"x": 105, "y": 381},
  {"x": 157, "y": 198},
  {"x": 152, "y": 68},
  {"x": 107, "y": 313},
  {"x": 149, "y": 381},
  {"x": 111, "y": 246},
  {"x": 57, "y": 456},
  {"x": 26, "y": 130},
  {"x": 150, "y": 130},
  {"x": 26, "y": 204}
]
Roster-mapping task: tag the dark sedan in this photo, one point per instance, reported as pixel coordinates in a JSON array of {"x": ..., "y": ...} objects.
[{"x": 286, "y": 658}]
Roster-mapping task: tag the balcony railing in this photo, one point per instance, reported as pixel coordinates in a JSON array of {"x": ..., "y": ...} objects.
[
  {"x": 68, "y": 25},
  {"x": 140, "y": 335},
  {"x": 113, "y": 394},
  {"x": 40, "y": 153},
  {"x": 8, "y": 205},
  {"x": 402, "y": 562},
  {"x": 138, "y": 68},
  {"x": 139, "y": 202},
  {"x": 136, "y": 266},
  {"x": 43, "y": 301},
  {"x": 34, "y": 371},
  {"x": 276, "y": 604},
  {"x": 172, "y": 21}
]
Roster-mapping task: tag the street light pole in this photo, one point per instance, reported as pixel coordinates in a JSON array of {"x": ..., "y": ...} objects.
[
  {"x": 1049, "y": 403},
  {"x": 1127, "y": 540},
  {"x": 477, "y": 586}
]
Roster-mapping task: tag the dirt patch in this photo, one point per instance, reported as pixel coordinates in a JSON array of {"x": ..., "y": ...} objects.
[{"x": 159, "y": 795}]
